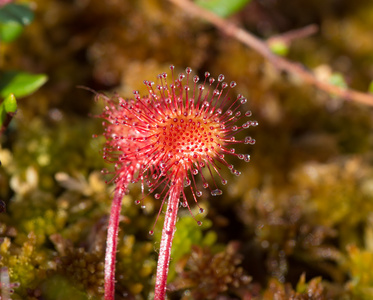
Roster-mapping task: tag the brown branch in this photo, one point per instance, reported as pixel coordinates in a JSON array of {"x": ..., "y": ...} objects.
[
  {"x": 292, "y": 35},
  {"x": 261, "y": 47}
]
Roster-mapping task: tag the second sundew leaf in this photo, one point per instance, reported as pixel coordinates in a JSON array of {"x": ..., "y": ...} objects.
[
  {"x": 223, "y": 8},
  {"x": 20, "y": 83}
]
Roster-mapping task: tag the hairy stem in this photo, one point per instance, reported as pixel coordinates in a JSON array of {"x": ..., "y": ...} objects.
[
  {"x": 111, "y": 243},
  {"x": 166, "y": 241}
]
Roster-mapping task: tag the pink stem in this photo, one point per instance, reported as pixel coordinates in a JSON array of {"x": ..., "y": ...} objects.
[
  {"x": 111, "y": 243},
  {"x": 166, "y": 241}
]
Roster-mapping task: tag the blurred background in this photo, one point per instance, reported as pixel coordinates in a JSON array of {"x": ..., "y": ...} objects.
[{"x": 297, "y": 223}]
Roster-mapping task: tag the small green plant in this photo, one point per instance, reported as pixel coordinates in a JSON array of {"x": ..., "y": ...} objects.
[{"x": 14, "y": 84}]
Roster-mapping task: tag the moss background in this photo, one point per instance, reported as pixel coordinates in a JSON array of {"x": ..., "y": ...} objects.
[{"x": 298, "y": 222}]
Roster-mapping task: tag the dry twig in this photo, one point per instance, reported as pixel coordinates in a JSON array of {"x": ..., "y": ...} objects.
[
  {"x": 292, "y": 35},
  {"x": 261, "y": 47}
]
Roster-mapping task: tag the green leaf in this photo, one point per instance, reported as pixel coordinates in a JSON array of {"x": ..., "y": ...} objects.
[
  {"x": 16, "y": 13},
  {"x": 279, "y": 48},
  {"x": 10, "y": 31},
  {"x": 7, "y": 110},
  {"x": 223, "y": 8},
  {"x": 370, "y": 88},
  {"x": 20, "y": 83},
  {"x": 13, "y": 18},
  {"x": 10, "y": 104},
  {"x": 337, "y": 80}
]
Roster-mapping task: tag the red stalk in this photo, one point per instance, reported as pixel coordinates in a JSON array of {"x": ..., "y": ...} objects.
[
  {"x": 166, "y": 240},
  {"x": 111, "y": 244}
]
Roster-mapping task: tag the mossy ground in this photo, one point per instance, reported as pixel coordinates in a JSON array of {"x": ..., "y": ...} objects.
[{"x": 298, "y": 222}]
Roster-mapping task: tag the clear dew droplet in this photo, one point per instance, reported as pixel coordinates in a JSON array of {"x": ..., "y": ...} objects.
[
  {"x": 254, "y": 123},
  {"x": 201, "y": 210},
  {"x": 232, "y": 84},
  {"x": 187, "y": 182},
  {"x": 243, "y": 100},
  {"x": 246, "y": 125},
  {"x": 216, "y": 192},
  {"x": 143, "y": 206},
  {"x": 248, "y": 113},
  {"x": 205, "y": 185},
  {"x": 157, "y": 196},
  {"x": 237, "y": 173},
  {"x": 137, "y": 202},
  {"x": 188, "y": 70},
  {"x": 195, "y": 79},
  {"x": 248, "y": 140},
  {"x": 199, "y": 223},
  {"x": 195, "y": 171},
  {"x": 246, "y": 158},
  {"x": 198, "y": 193},
  {"x": 151, "y": 232},
  {"x": 224, "y": 181}
]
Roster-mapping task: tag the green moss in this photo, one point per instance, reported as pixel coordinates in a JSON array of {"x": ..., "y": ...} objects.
[
  {"x": 187, "y": 234},
  {"x": 359, "y": 265},
  {"x": 210, "y": 275}
]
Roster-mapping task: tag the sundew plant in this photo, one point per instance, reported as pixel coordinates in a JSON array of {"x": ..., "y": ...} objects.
[{"x": 163, "y": 141}]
